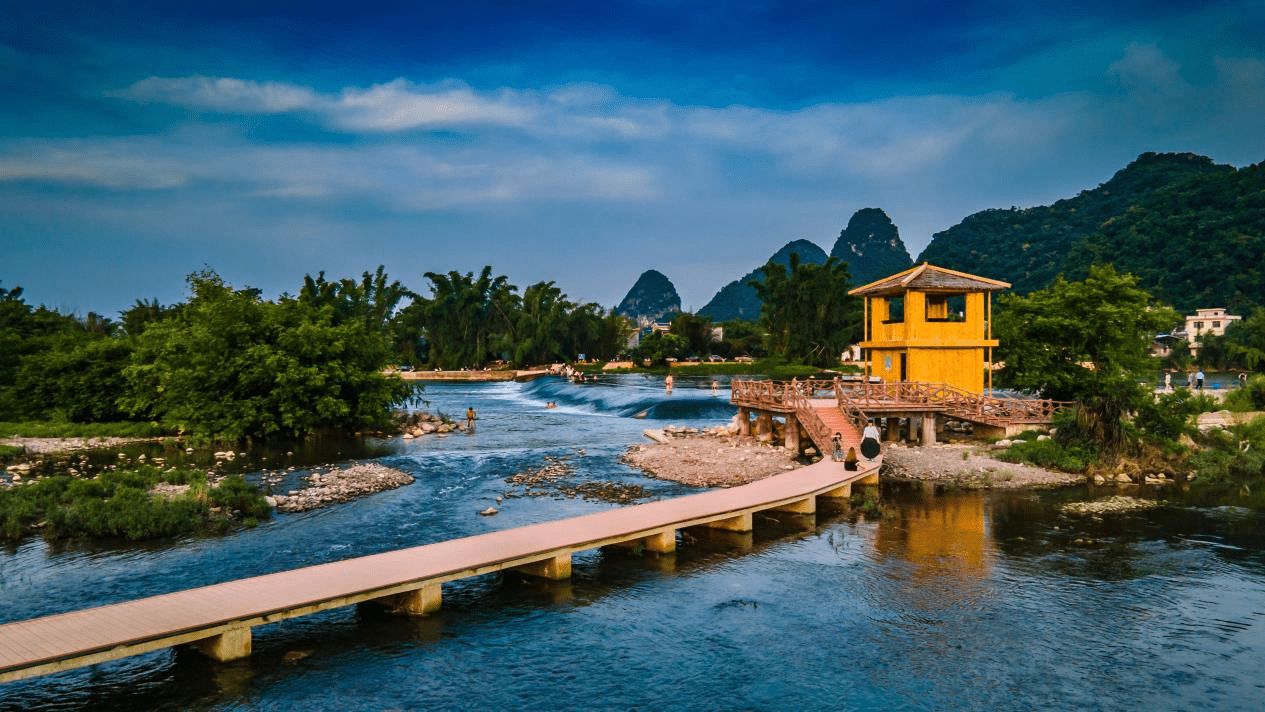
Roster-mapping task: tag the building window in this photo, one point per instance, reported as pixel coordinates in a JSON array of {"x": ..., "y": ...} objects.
[
  {"x": 895, "y": 309},
  {"x": 946, "y": 307},
  {"x": 1216, "y": 325},
  {"x": 1199, "y": 325}
]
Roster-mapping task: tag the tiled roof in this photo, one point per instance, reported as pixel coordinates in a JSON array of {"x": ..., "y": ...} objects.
[{"x": 929, "y": 278}]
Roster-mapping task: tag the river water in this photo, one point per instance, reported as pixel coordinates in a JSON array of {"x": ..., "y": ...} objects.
[{"x": 955, "y": 600}]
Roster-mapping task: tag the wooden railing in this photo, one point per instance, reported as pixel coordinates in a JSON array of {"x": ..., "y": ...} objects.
[
  {"x": 855, "y": 398},
  {"x": 955, "y": 401},
  {"x": 795, "y": 395}
]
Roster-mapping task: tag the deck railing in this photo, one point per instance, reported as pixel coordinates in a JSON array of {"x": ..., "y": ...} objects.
[{"x": 855, "y": 398}]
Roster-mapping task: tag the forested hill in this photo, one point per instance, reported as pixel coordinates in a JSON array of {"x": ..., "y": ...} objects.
[
  {"x": 652, "y": 297},
  {"x": 1192, "y": 230},
  {"x": 738, "y": 300},
  {"x": 871, "y": 246}
]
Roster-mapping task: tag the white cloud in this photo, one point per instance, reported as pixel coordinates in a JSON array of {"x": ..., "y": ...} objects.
[{"x": 221, "y": 94}]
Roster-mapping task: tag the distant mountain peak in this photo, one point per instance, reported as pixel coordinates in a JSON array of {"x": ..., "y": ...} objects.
[
  {"x": 739, "y": 300},
  {"x": 653, "y": 297},
  {"x": 871, "y": 246}
]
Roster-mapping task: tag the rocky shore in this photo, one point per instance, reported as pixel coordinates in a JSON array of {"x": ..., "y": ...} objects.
[
  {"x": 708, "y": 458},
  {"x": 340, "y": 485},
  {"x": 718, "y": 458},
  {"x": 968, "y": 466}
]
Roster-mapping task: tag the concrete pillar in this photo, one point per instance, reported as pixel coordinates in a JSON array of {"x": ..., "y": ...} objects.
[
  {"x": 229, "y": 645},
  {"x": 744, "y": 422},
  {"x": 843, "y": 491},
  {"x": 764, "y": 426},
  {"x": 555, "y": 568},
  {"x": 739, "y": 523},
  {"x": 663, "y": 542},
  {"x": 792, "y": 433},
  {"x": 808, "y": 505},
  {"x": 892, "y": 429},
  {"x": 929, "y": 429},
  {"x": 418, "y": 602}
]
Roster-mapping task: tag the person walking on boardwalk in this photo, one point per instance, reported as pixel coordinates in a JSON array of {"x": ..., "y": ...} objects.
[{"x": 470, "y": 419}]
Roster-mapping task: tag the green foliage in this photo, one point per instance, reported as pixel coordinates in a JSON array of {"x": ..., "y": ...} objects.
[
  {"x": 659, "y": 346},
  {"x": 1167, "y": 416},
  {"x": 1249, "y": 397},
  {"x": 1083, "y": 341},
  {"x": 235, "y": 494},
  {"x": 45, "y": 429},
  {"x": 1145, "y": 220},
  {"x": 807, "y": 311},
  {"x": 1051, "y": 454},
  {"x": 697, "y": 332},
  {"x": 234, "y": 366},
  {"x": 119, "y": 503},
  {"x": 1233, "y": 459}
]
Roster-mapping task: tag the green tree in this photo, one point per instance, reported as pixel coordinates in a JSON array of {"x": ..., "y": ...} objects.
[
  {"x": 659, "y": 346},
  {"x": 696, "y": 330},
  {"x": 807, "y": 311},
  {"x": 234, "y": 366},
  {"x": 466, "y": 320},
  {"x": 1085, "y": 341}
]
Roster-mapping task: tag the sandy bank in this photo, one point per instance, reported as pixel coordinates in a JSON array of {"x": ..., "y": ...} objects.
[
  {"x": 45, "y": 446},
  {"x": 720, "y": 460},
  {"x": 966, "y": 465}
]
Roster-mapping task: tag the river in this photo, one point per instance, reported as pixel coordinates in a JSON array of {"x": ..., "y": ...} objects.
[{"x": 956, "y": 600}]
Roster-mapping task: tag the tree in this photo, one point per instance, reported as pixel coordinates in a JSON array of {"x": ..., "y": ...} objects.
[
  {"x": 659, "y": 346},
  {"x": 1085, "y": 341},
  {"x": 696, "y": 330},
  {"x": 466, "y": 320},
  {"x": 807, "y": 311},
  {"x": 231, "y": 365}
]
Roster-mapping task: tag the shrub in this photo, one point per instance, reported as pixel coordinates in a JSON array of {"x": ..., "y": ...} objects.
[
  {"x": 1167, "y": 416},
  {"x": 1051, "y": 454},
  {"x": 1251, "y": 396}
]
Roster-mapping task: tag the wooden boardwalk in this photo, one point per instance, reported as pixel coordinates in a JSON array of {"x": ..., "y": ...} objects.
[{"x": 218, "y": 618}]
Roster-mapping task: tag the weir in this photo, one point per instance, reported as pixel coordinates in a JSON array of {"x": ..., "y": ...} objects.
[{"x": 218, "y": 619}]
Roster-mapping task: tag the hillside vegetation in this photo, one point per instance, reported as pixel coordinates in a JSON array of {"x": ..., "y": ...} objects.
[{"x": 1193, "y": 231}]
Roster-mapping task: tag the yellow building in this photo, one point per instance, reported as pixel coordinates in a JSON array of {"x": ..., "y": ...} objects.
[{"x": 931, "y": 325}]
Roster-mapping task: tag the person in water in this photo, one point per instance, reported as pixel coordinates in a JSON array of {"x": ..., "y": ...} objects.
[
  {"x": 667, "y": 384},
  {"x": 469, "y": 418}
]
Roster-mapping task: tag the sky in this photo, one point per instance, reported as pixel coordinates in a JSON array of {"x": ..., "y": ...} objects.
[{"x": 575, "y": 142}]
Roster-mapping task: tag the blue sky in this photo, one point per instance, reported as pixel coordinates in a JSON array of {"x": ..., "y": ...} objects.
[{"x": 578, "y": 142}]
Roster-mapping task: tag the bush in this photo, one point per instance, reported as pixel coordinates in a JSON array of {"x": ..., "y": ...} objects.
[
  {"x": 1251, "y": 396},
  {"x": 1167, "y": 416},
  {"x": 1051, "y": 454},
  {"x": 119, "y": 503}
]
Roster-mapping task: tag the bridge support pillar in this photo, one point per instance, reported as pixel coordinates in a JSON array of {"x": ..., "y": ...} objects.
[
  {"x": 843, "y": 491},
  {"x": 807, "y": 505},
  {"x": 663, "y": 542},
  {"x": 555, "y": 568},
  {"x": 892, "y": 429},
  {"x": 744, "y": 422},
  {"x": 739, "y": 523},
  {"x": 229, "y": 645},
  {"x": 764, "y": 426},
  {"x": 792, "y": 433},
  {"x": 928, "y": 429},
  {"x": 418, "y": 602}
]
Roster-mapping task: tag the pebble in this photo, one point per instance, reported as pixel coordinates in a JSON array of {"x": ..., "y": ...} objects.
[{"x": 343, "y": 485}]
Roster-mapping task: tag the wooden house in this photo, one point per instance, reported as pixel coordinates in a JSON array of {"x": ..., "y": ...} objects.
[{"x": 931, "y": 325}]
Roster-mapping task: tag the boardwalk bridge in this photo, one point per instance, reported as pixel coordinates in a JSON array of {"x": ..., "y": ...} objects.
[
  {"x": 218, "y": 619},
  {"x": 819, "y": 408}
]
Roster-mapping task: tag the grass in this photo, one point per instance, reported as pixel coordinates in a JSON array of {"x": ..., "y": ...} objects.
[
  {"x": 48, "y": 429},
  {"x": 120, "y": 504},
  {"x": 1049, "y": 454}
]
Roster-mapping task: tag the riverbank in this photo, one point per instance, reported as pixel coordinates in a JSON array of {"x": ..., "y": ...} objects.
[
  {"x": 470, "y": 376},
  {"x": 714, "y": 458}
]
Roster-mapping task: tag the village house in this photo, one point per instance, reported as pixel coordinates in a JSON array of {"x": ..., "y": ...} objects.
[{"x": 1206, "y": 321}]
